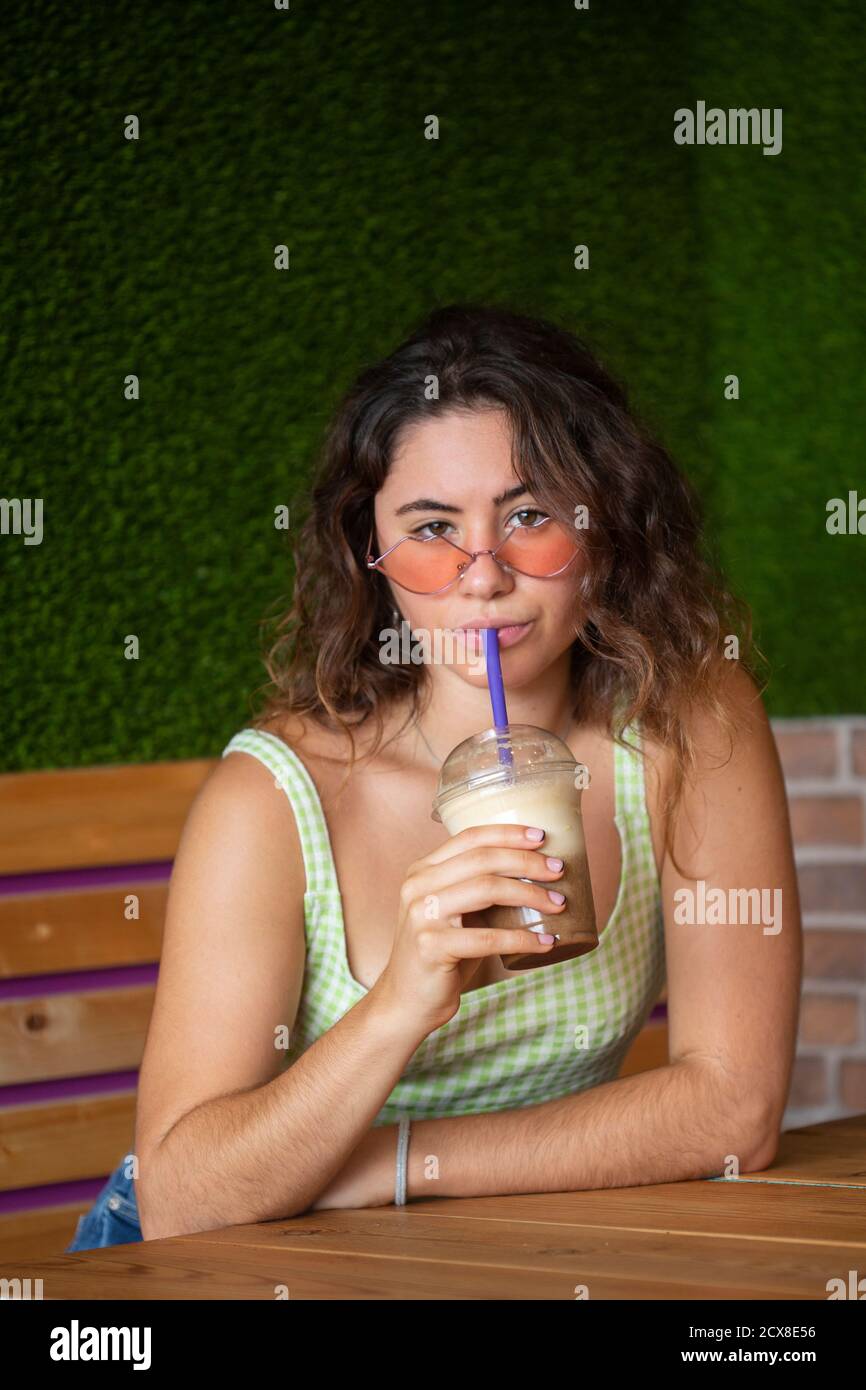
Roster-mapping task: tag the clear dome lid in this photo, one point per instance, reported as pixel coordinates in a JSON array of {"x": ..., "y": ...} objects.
[{"x": 494, "y": 758}]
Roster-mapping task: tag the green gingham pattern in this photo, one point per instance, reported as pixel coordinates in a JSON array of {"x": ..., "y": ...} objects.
[{"x": 535, "y": 1036}]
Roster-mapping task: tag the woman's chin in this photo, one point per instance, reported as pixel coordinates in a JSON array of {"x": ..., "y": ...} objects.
[{"x": 517, "y": 670}]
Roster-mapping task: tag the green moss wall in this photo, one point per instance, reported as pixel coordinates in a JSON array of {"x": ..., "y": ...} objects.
[{"x": 305, "y": 127}]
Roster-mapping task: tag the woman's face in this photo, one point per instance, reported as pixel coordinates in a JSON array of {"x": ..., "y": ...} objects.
[{"x": 462, "y": 462}]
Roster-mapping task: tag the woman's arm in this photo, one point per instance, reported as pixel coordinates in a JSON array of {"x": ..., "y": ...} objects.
[
  {"x": 733, "y": 1001},
  {"x": 676, "y": 1122},
  {"x": 225, "y": 1135},
  {"x": 673, "y": 1123},
  {"x": 268, "y": 1152}
]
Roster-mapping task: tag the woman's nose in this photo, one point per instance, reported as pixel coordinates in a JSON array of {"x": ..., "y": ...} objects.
[{"x": 484, "y": 574}]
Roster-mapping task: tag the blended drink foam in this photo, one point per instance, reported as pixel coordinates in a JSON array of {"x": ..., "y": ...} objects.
[{"x": 552, "y": 802}]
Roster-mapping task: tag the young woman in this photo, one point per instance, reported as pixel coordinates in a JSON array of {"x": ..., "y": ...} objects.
[{"x": 489, "y": 472}]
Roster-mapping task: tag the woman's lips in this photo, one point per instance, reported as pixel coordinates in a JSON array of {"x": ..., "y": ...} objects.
[{"x": 508, "y": 636}]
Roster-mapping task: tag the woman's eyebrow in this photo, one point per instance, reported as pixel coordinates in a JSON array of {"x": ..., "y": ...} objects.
[{"x": 429, "y": 504}]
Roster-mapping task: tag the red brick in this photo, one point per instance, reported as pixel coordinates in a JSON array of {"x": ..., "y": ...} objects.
[
  {"x": 832, "y": 887},
  {"x": 858, "y": 751},
  {"x": 852, "y": 1084},
  {"x": 810, "y": 753},
  {"x": 827, "y": 820},
  {"x": 833, "y": 954},
  {"x": 830, "y": 1018},
  {"x": 808, "y": 1082}
]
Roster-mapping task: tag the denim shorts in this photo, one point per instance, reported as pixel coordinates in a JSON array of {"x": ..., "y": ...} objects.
[{"x": 113, "y": 1218}]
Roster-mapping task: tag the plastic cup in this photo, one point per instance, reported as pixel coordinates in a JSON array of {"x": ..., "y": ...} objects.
[{"x": 539, "y": 787}]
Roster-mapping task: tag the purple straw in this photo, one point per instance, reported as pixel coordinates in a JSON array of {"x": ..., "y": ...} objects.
[{"x": 497, "y": 693}]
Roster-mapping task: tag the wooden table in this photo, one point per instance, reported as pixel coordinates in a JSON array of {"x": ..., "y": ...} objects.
[{"x": 780, "y": 1234}]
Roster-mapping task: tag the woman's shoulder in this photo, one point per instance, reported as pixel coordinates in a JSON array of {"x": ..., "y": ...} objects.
[
  {"x": 733, "y": 714},
  {"x": 731, "y": 725},
  {"x": 723, "y": 733},
  {"x": 325, "y": 752},
  {"x": 238, "y": 816},
  {"x": 730, "y": 742},
  {"x": 310, "y": 738},
  {"x": 306, "y": 735}
]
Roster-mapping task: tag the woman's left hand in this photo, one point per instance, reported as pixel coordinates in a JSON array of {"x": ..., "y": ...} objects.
[{"x": 367, "y": 1178}]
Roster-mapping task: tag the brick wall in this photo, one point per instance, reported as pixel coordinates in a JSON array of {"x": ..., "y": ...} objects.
[{"x": 824, "y": 762}]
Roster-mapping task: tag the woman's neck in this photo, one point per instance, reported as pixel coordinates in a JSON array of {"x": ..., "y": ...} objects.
[{"x": 454, "y": 710}]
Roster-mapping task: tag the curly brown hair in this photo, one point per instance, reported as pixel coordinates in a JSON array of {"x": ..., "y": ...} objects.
[{"x": 654, "y": 608}]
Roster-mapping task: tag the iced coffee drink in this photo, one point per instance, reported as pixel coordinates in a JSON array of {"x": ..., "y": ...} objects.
[{"x": 537, "y": 783}]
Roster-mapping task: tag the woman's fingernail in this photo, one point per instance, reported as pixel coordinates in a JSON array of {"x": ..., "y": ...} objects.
[
  {"x": 533, "y": 833},
  {"x": 554, "y": 863},
  {"x": 546, "y": 938},
  {"x": 557, "y": 897}
]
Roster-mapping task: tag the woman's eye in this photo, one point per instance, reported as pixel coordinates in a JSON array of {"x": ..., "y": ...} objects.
[
  {"x": 420, "y": 530},
  {"x": 529, "y": 511},
  {"x": 512, "y": 522}
]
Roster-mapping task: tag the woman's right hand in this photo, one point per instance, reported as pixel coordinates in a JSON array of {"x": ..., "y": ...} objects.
[{"x": 437, "y": 947}]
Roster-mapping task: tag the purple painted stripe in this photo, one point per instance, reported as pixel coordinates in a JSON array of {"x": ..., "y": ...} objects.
[
  {"x": 62, "y": 880},
  {"x": 67, "y": 1088},
  {"x": 25, "y": 986},
  {"x": 56, "y": 1194}
]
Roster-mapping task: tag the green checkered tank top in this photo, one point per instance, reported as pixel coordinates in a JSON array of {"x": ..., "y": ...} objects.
[{"x": 535, "y": 1036}]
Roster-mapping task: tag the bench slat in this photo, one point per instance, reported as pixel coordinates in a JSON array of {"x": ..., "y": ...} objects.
[
  {"x": 76, "y": 818},
  {"x": 47, "y": 1036},
  {"x": 50, "y": 933},
  {"x": 66, "y": 1140}
]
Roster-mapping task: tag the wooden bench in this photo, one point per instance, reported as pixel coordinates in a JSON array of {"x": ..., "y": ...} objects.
[{"x": 81, "y": 852}]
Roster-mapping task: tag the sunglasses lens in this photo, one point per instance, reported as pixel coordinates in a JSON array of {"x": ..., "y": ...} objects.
[
  {"x": 538, "y": 550},
  {"x": 425, "y": 566}
]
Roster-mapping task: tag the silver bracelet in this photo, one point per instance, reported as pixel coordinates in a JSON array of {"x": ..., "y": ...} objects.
[{"x": 402, "y": 1158}]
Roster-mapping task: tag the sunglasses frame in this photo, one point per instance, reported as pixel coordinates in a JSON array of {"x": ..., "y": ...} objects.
[{"x": 373, "y": 563}]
